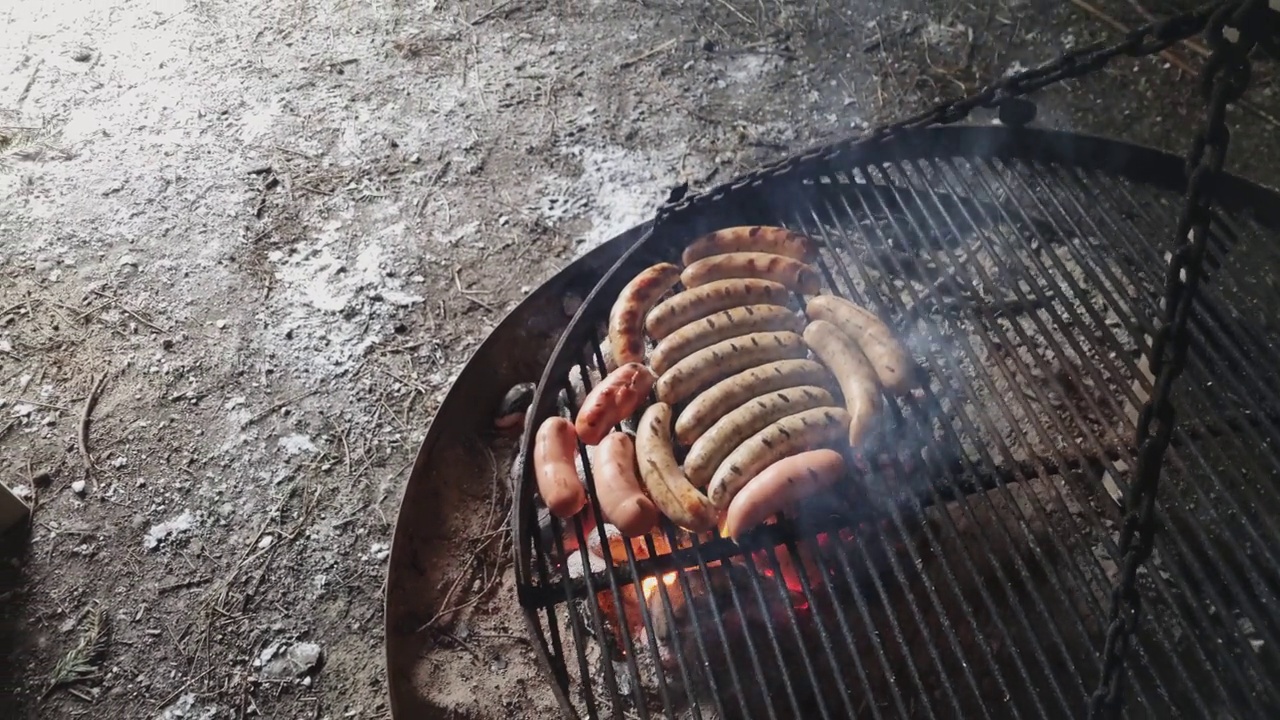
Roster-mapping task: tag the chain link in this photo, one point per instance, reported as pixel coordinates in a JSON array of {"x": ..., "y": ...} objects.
[{"x": 1223, "y": 81}]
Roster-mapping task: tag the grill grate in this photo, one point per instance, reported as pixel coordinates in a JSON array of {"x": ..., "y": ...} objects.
[{"x": 970, "y": 577}]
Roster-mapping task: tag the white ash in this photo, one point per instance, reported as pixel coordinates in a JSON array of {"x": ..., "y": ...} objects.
[{"x": 168, "y": 529}]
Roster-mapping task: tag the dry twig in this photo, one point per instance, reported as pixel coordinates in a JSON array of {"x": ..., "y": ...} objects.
[{"x": 83, "y": 436}]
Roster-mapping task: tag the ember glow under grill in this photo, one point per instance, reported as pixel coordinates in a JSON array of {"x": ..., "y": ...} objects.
[{"x": 964, "y": 569}]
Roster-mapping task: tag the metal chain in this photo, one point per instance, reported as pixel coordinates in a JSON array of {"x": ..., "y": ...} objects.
[
  {"x": 1223, "y": 81},
  {"x": 1140, "y": 42}
]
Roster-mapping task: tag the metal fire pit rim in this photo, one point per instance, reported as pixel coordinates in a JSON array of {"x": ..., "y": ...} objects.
[
  {"x": 1141, "y": 164},
  {"x": 458, "y": 393},
  {"x": 1136, "y": 162}
]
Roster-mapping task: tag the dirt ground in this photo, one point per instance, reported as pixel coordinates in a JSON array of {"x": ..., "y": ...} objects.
[{"x": 245, "y": 247}]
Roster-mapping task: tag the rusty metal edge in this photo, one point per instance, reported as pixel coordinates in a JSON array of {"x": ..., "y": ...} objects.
[{"x": 470, "y": 393}]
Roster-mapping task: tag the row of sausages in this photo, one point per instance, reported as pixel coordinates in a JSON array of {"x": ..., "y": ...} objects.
[{"x": 760, "y": 419}]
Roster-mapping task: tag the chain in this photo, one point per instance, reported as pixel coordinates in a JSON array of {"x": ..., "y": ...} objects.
[
  {"x": 1223, "y": 81},
  {"x": 1140, "y": 42}
]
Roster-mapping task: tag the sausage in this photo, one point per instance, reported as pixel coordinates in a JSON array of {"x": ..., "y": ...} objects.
[
  {"x": 752, "y": 238},
  {"x": 797, "y": 276},
  {"x": 622, "y": 501},
  {"x": 612, "y": 401},
  {"x": 854, "y": 372},
  {"x": 723, "y": 325},
  {"x": 888, "y": 356},
  {"x": 663, "y": 480},
  {"x": 626, "y": 338},
  {"x": 715, "y": 402},
  {"x": 733, "y": 429},
  {"x": 684, "y": 307},
  {"x": 780, "y": 485},
  {"x": 820, "y": 427},
  {"x": 554, "y": 451},
  {"x": 725, "y": 358}
]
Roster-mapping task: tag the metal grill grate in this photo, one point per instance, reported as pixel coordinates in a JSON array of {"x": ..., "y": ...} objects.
[{"x": 970, "y": 577}]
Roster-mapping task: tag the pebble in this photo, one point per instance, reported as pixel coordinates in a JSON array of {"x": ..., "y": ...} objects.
[
  {"x": 82, "y": 54},
  {"x": 298, "y": 661},
  {"x": 77, "y": 487}
]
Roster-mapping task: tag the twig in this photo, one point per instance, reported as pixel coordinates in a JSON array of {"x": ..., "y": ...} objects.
[
  {"x": 182, "y": 584},
  {"x": 282, "y": 403},
  {"x": 470, "y": 294},
  {"x": 85, "y": 414},
  {"x": 129, "y": 312},
  {"x": 646, "y": 55},
  {"x": 490, "y": 12}
]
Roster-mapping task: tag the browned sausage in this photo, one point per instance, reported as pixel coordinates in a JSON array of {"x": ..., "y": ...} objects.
[
  {"x": 779, "y": 486},
  {"x": 554, "y": 451},
  {"x": 733, "y": 429},
  {"x": 715, "y": 402},
  {"x": 684, "y": 307},
  {"x": 797, "y": 276},
  {"x": 734, "y": 322},
  {"x": 665, "y": 483},
  {"x": 854, "y": 372},
  {"x": 615, "y": 399},
  {"x": 725, "y": 358},
  {"x": 887, "y": 355},
  {"x": 622, "y": 501},
  {"x": 808, "y": 430},
  {"x": 752, "y": 238},
  {"x": 626, "y": 319}
]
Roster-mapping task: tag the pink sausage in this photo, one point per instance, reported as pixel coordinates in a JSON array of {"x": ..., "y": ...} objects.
[
  {"x": 623, "y": 503},
  {"x": 612, "y": 401},
  {"x": 553, "y": 453},
  {"x": 778, "y": 486}
]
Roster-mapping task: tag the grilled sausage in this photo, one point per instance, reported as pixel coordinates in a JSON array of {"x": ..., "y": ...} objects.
[
  {"x": 723, "y": 325},
  {"x": 622, "y": 501},
  {"x": 663, "y": 480},
  {"x": 725, "y": 358},
  {"x": 612, "y": 401},
  {"x": 820, "y": 427},
  {"x": 890, "y": 359},
  {"x": 733, "y": 429},
  {"x": 626, "y": 319},
  {"x": 554, "y": 450},
  {"x": 683, "y": 308},
  {"x": 715, "y": 402},
  {"x": 854, "y": 372},
  {"x": 780, "y": 485},
  {"x": 749, "y": 238},
  {"x": 797, "y": 276}
]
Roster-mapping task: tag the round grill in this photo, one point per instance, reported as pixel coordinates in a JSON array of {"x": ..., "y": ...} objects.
[{"x": 967, "y": 570}]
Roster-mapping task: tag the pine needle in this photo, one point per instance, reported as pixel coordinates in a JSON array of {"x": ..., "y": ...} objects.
[{"x": 84, "y": 662}]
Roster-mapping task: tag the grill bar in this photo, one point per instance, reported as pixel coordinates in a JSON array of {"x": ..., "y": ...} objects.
[
  {"x": 1235, "y": 589},
  {"x": 951, "y": 371},
  {"x": 975, "y": 581}
]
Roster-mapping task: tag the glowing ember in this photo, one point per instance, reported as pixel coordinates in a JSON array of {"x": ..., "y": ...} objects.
[{"x": 649, "y": 584}]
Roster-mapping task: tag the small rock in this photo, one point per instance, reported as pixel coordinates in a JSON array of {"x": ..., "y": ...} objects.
[
  {"x": 77, "y": 487},
  {"x": 129, "y": 260},
  {"x": 220, "y": 324},
  {"x": 299, "y": 660},
  {"x": 82, "y": 54}
]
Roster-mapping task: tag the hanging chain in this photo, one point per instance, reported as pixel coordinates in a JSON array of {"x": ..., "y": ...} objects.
[
  {"x": 1140, "y": 42},
  {"x": 1223, "y": 81}
]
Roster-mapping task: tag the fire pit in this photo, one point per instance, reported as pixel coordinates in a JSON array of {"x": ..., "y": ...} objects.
[
  {"x": 969, "y": 565},
  {"x": 969, "y": 574}
]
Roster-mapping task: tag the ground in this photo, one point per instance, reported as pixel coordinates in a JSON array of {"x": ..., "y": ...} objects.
[{"x": 244, "y": 247}]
